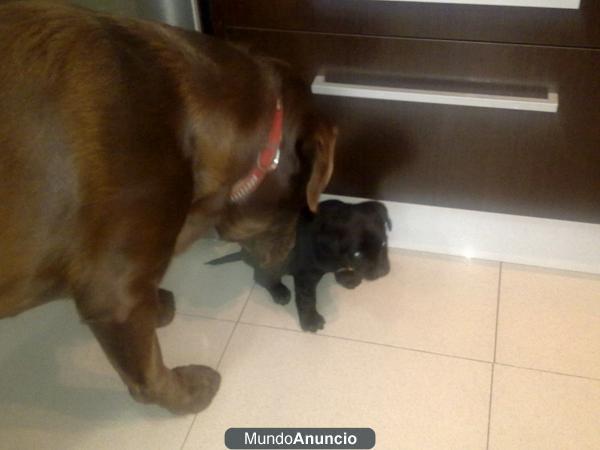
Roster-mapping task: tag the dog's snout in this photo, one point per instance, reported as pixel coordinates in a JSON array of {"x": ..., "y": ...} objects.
[
  {"x": 384, "y": 269},
  {"x": 379, "y": 270}
]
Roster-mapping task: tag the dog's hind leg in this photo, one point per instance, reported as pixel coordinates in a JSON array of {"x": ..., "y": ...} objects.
[{"x": 132, "y": 347}]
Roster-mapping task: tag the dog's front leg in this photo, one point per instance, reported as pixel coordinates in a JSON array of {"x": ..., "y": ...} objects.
[
  {"x": 305, "y": 285},
  {"x": 272, "y": 283},
  {"x": 132, "y": 347}
]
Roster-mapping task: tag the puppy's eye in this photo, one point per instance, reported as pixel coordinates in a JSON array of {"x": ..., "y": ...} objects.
[
  {"x": 383, "y": 244},
  {"x": 357, "y": 254}
]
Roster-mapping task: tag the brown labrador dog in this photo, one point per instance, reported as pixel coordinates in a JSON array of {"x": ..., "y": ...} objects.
[{"x": 122, "y": 140}]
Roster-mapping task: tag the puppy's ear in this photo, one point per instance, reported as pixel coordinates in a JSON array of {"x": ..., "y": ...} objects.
[
  {"x": 386, "y": 217},
  {"x": 382, "y": 211},
  {"x": 321, "y": 146}
]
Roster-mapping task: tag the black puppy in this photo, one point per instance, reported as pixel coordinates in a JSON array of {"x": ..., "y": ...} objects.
[{"x": 347, "y": 239}]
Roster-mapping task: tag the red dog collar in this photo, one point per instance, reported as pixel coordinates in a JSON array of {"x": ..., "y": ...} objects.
[{"x": 267, "y": 160}]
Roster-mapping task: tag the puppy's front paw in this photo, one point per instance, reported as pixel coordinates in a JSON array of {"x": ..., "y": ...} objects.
[
  {"x": 312, "y": 321},
  {"x": 281, "y": 294}
]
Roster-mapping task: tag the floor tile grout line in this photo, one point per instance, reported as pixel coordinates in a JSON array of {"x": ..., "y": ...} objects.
[
  {"x": 235, "y": 325},
  {"x": 343, "y": 338},
  {"x": 489, "y": 424},
  {"x": 226, "y": 345},
  {"x": 551, "y": 372},
  {"x": 498, "y": 296},
  {"x": 188, "y": 432},
  {"x": 246, "y": 303},
  {"x": 202, "y": 316},
  {"x": 416, "y": 350}
]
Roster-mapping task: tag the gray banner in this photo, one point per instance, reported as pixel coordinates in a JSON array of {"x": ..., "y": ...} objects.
[{"x": 306, "y": 438}]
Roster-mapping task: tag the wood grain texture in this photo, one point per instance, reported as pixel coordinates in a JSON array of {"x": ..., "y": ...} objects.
[{"x": 540, "y": 26}]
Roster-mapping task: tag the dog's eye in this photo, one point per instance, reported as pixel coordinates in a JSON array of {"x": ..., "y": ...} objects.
[
  {"x": 357, "y": 254},
  {"x": 383, "y": 244}
]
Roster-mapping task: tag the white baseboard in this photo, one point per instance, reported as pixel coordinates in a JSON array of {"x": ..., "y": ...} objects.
[{"x": 532, "y": 241}]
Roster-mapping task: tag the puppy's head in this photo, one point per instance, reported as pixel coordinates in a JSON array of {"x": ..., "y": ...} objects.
[{"x": 352, "y": 238}]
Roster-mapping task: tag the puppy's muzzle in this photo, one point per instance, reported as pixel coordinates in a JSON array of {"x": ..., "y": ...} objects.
[{"x": 381, "y": 269}]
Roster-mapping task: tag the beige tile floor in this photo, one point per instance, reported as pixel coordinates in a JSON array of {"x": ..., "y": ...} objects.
[{"x": 444, "y": 353}]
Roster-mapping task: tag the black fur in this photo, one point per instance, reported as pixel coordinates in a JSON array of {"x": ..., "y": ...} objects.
[{"x": 349, "y": 240}]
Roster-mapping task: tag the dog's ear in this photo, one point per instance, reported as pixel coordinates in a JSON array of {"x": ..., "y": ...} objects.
[
  {"x": 382, "y": 211},
  {"x": 386, "y": 217},
  {"x": 321, "y": 147}
]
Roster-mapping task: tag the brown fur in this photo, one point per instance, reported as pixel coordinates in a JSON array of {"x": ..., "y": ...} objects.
[{"x": 120, "y": 141}]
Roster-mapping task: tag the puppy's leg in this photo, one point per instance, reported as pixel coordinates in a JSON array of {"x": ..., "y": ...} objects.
[
  {"x": 272, "y": 283},
  {"x": 132, "y": 347},
  {"x": 305, "y": 285}
]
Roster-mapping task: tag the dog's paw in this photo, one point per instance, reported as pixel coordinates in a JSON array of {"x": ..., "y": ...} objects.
[
  {"x": 200, "y": 384},
  {"x": 182, "y": 390},
  {"x": 312, "y": 321},
  {"x": 166, "y": 308},
  {"x": 281, "y": 294}
]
